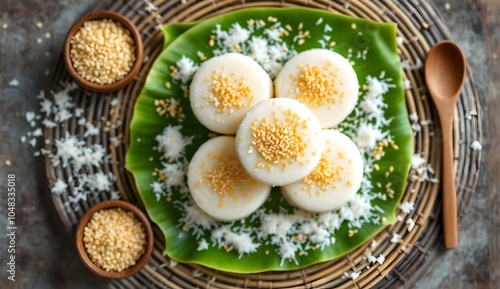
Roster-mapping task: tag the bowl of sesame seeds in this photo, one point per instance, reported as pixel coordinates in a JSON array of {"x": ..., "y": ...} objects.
[
  {"x": 103, "y": 51},
  {"x": 114, "y": 239}
]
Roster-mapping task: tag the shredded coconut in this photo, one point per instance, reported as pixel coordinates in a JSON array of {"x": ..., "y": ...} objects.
[
  {"x": 14, "y": 82},
  {"x": 395, "y": 237},
  {"x": 411, "y": 224},
  {"x": 172, "y": 143},
  {"x": 407, "y": 207},
  {"x": 476, "y": 145},
  {"x": 59, "y": 187}
]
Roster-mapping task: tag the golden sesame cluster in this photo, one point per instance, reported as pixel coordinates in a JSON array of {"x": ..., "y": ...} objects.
[
  {"x": 325, "y": 173},
  {"x": 229, "y": 93},
  {"x": 114, "y": 239},
  {"x": 226, "y": 177},
  {"x": 102, "y": 51},
  {"x": 316, "y": 85},
  {"x": 279, "y": 141}
]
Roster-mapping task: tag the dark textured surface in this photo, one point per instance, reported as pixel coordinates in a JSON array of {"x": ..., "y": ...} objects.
[{"x": 45, "y": 255}]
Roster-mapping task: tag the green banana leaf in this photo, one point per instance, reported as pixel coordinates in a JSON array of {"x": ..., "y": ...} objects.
[{"x": 372, "y": 48}]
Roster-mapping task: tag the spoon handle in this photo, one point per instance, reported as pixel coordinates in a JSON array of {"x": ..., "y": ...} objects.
[{"x": 448, "y": 188}]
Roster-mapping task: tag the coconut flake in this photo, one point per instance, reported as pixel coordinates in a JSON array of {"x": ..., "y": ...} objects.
[
  {"x": 395, "y": 238},
  {"x": 14, "y": 82},
  {"x": 476, "y": 146},
  {"x": 59, "y": 187},
  {"x": 407, "y": 207},
  {"x": 203, "y": 245},
  {"x": 411, "y": 224},
  {"x": 172, "y": 143}
]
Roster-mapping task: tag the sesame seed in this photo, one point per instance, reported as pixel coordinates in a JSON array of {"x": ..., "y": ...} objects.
[
  {"x": 229, "y": 93},
  {"x": 278, "y": 141},
  {"x": 102, "y": 51},
  {"x": 114, "y": 239},
  {"x": 226, "y": 177},
  {"x": 272, "y": 19},
  {"x": 315, "y": 86},
  {"x": 323, "y": 175}
]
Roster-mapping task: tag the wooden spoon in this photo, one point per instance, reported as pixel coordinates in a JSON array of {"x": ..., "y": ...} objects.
[{"x": 445, "y": 75}]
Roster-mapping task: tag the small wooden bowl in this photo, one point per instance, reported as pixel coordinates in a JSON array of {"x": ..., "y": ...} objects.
[
  {"x": 83, "y": 253},
  {"x": 139, "y": 51}
]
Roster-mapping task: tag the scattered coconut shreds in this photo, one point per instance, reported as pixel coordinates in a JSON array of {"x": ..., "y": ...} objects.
[
  {"x": 395, "y": 238},
  {"x": 59, "y": 187},
  {"x": 114, "y": 102},
  {"x": 407, "y": 207},
  {"x": 420, "y": 171},
  {"x": 149, "y": 6},
  {"x": 352, "y": 275},
  {"x": 407, "y": 84},
  {"x": 82, "y": 158},
  {"x": 203, "y": 245},
  {"x": 410, "y": 223},
  {"x": 196, "y": 274},
  {"x": 413, "y": 117},
  {"x": 14, "y": 82},
  {"x": 476, "y": 146},
  {"x": 115, "y": 141},
  {"x": 115, "y": 195},
  {"x": 381, "y": 259},
  {"x": 172, "y": 143},
  {"x": 91, "y": 130}
]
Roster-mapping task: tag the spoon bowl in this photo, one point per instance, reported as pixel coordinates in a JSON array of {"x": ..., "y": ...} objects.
[{"x": 444, "y": 72}]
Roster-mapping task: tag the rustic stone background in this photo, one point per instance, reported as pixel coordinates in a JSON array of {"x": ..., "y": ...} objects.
[{"x": 45, "y": 256}]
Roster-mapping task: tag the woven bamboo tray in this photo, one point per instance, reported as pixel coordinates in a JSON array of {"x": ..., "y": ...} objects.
[{"x": 420, "y": 26}]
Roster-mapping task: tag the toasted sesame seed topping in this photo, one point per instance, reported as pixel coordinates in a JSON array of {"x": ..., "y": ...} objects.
[
  {"x": 226, "y": 177},
  {"x": 279, "y": 141},
  {"x": 315, "y": 85},
  {"x": 325, "y": 173},
  {"x": 228, "y": 94}
]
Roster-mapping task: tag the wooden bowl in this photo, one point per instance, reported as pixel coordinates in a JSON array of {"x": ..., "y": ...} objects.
[
  {"x": 139, "y": 51},
  {"x": 83, "y": 253}
]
